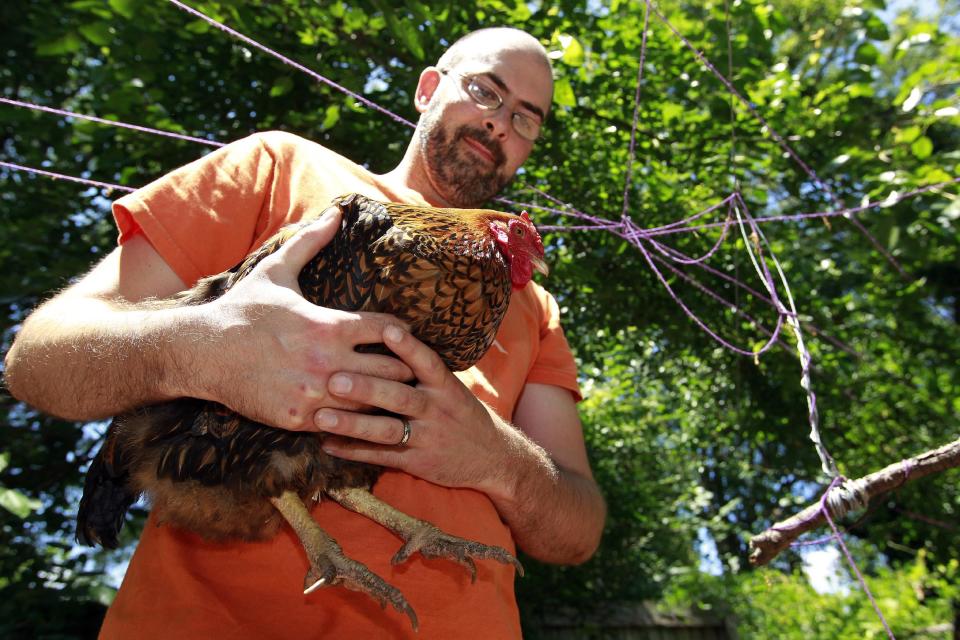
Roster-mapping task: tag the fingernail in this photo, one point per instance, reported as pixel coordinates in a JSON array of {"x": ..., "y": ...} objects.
[
  {"x": 340, "y": 384},
  {"x": 326, "y": 419},
  {"x": 393, "y": 333}
]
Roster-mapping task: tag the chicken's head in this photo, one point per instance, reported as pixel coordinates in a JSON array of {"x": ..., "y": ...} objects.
[{"x": 520, "y": 243}]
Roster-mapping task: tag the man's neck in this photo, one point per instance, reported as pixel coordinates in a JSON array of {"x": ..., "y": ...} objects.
[{"x": 409, "y": 175}]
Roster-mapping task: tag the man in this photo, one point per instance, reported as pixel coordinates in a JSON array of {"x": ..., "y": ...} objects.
[{"x": 262, "y": 350}]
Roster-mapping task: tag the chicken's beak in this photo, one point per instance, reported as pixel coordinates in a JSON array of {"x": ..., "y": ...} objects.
[{"x": 540, "y": 265}]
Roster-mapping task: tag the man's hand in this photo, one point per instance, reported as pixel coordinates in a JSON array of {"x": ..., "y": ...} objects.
[
  {"x": 536, "y": 473},
  {"x": 454, "y": 439},
  {"x": 272, "y": 352}
]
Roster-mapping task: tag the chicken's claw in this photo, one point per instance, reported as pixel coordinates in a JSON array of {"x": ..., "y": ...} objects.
[
  {"x": 331, "y": 568},
  {"x": 328, "y": 564},
  {"x": 432, "y": 542}
]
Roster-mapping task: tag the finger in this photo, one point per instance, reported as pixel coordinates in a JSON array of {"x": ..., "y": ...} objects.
[
  {"x": 378, "y": 366},
  {"x": 388, "y": 395},
  {"x": 426, "y": 364},
  {"x": 376, "y": 429},
  {"x": 360, "y": 451},
  {"x": 364, "y": 327},
  {"x": 309, "y": 240}
]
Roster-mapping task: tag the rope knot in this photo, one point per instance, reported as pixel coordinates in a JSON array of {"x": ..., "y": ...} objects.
[{"x": 846, "y": 496}]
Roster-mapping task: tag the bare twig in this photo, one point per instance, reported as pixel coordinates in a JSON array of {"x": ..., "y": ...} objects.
[{"x": 767, "y": 545}]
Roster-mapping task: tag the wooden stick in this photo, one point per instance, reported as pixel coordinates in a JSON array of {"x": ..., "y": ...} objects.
[{"x": 767, "y": 545}]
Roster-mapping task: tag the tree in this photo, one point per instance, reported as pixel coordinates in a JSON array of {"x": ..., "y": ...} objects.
[{"x": 690, "y": 441}]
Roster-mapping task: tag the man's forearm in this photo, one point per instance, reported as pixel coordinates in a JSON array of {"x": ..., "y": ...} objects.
[
  {"x": 555, "y": 515},
  {"x": 85, "y": 359}
]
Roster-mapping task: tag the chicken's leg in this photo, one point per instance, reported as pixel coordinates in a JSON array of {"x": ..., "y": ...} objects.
[
  {"x": 328, "y": 565},
  {"x": 419, "y": 535}
]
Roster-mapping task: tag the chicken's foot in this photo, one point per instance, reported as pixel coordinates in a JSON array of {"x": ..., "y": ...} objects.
[
  {"x": 328, "y": 565},
  {"x": 419, "y": 535}
]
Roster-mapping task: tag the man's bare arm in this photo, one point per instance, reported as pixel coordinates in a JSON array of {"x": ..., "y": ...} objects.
[
  {"x": 547, "y": 493},
  {"x": 90, "y": 352},
  {"x": 98, "y": 349}
]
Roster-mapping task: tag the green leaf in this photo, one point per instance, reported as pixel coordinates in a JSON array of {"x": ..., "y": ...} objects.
[
  {"x": 68, "y": 43},
  {"x": 935, "y": 175},
  {"x": 905, "y": 135},
  {"x": 922, "y": 148},
  {"x": 198, "y": 26},
  {"x": 4, "y": 460},
  {"x": 893, "y": 237},
  {"x": 330, "y": 117},
  {"x": 17, "y": 503},
  {"x": 572, "y": 50},
  {"x": 867, "y": 53},
  {"x": 563, "y": 93},
  {"x": 860, "y": 90},
  {"x": 670, "y": 111},
  {"x": 97, "y": 32},
  {"x": 876, "y": 28},
  {"x": 281, "y": 86},
  {"x": 308, "y": 37},
  {"x": 126, "y": 8},
  {"x": 402, "y": 29}
]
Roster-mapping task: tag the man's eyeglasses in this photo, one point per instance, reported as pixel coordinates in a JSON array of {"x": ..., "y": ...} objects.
[{"x": 486, "y": 95}]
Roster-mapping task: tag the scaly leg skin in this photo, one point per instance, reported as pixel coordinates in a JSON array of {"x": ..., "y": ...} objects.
[
  {"x": 328, "y": 565},
  {"x": 421, "y": 536}
]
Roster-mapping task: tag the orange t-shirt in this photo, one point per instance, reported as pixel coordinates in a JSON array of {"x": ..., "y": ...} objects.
[{"x": 204, "y": 218}]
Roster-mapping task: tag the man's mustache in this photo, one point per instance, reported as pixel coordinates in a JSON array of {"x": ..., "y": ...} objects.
[{"x": 481, "y": 136}]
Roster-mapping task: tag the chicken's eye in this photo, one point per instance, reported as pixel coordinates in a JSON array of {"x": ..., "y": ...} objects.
[{"x": 518, "y": 231}]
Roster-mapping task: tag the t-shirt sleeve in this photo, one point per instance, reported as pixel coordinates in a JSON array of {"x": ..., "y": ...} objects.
[
  {"x": 554, "y": 364},
  {"x": 203, "y": 217}
]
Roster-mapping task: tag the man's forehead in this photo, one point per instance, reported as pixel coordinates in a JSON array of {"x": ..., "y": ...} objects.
[{"x": 522, "y": 73}]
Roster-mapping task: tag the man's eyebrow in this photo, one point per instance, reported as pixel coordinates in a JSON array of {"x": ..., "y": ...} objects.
[{"x": 529, "y": 106}]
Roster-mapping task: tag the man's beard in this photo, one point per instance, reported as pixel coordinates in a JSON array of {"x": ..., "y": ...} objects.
[{"x": 464, "y": 182}]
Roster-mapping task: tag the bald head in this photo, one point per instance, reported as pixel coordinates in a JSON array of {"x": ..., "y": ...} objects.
[{"x": 484, "y": 45}]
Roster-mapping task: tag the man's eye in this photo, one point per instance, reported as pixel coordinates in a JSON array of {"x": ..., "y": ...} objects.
[{"x": 485, "y": 94}]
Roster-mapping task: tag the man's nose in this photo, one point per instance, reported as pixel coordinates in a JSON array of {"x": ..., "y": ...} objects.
[{"x": 497, "y": 123}]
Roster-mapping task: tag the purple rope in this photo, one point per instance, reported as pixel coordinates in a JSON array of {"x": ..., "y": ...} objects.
[
  {"x": 598, "y": 222},
  {"x": 829, "y": 465},
  {"x": 805, "y": 216},
  {"x": 636, "y": 112},
  {"x": 61, "y": 176},
  {"x": 716, "y": 296},
  {"x": 630, "y": 235},
  {"x": 825, "y": 511},
  {"x": 907, "y": 468},
  {"x": 779, "y": 139},
  {"x": 846, "y": 552},
  {"x": 112, "y": 123},
  {"x": 296, "y": 65},
  {"x": 675, "y": 227},
  {"x": 676, "y": 256}
]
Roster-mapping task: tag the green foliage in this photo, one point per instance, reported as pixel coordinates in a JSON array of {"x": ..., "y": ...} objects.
[
  {"x": 688, "y": 440},
  {"x": 915, "y": 599}
]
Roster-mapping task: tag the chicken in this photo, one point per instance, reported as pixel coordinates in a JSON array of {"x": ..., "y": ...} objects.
[{"x": 448, "y": 273}]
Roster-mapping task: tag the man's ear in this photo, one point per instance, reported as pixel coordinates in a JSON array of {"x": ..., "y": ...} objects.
[{"x": 426, "y": 86}]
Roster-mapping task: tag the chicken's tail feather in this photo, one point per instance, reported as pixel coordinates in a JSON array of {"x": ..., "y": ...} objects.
[{"x": 106, "y": 498}]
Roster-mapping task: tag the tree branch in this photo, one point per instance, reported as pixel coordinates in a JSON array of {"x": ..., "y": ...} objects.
[{"x": 767, "y": 545}]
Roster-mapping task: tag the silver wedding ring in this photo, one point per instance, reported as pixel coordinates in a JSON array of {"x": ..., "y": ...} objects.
[{"x": 406, "y": 432}]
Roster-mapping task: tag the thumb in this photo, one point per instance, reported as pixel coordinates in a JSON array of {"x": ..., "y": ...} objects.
[{"x": 306, "y": 242}]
